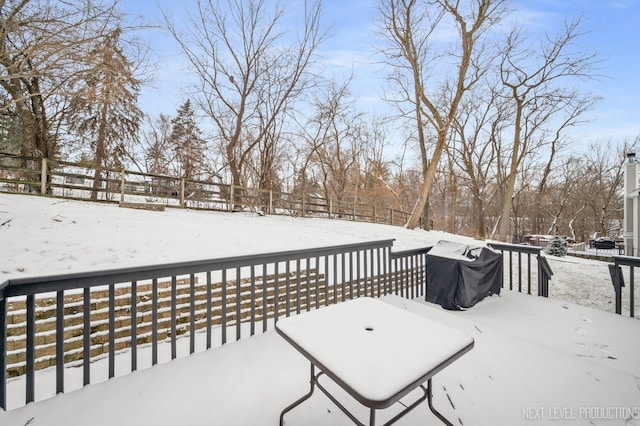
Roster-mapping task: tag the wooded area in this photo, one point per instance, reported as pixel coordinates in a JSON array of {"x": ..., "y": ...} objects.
[{"x": 485, "y": 116}]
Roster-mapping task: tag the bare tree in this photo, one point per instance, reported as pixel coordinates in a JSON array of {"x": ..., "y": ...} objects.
[
  {"x": 573, "y": 107},
  {"x": 42, "y": 47},
  {"x": 378, "y": 172},
  {"x": 249, "y": 68},
  {"x": 411, "y": 26},
  {"x": 559, "y": 199},
  {"x": 334, "y": 142},
  {"x": 479, "y": 128},
  {"x": 155, "y": 146},
  {"x": 602, "y": 192},
  {"x": 536, "y": 79}
]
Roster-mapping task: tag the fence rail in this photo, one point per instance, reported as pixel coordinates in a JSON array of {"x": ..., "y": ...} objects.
[
  {"x": 75, "y": 319},
  {"x": 21, "y": 174}
]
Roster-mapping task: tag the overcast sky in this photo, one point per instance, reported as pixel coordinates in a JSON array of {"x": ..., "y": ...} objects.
[{"x": 612, "y": 26}]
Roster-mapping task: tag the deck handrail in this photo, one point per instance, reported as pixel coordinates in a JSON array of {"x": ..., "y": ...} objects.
[
  {"x": 238, "y": 294},
  {"x": 232, "y": 293},
  {"x": 544, "y": 271}
]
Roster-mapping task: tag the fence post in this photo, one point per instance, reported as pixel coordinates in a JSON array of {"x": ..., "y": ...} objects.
[
  {"x": 122, "y": 185},
  {"x": 231, "y": 202},
  {"x": 375, "y": 217},
  {"x": 43, "y": 177},
  {"x": 330, "y": 208},
  {"x": 354, "y": 212},
  {"x": 271, "y": 201},
  {"x": 303, "y": 203}
]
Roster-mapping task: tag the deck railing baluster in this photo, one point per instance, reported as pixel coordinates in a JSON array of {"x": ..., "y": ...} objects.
[
  {"x": 209, "y": 313},
  {"x": 31, "y": 349},
  {"x": 112, "y": 330},
  {"x": 60, "y": 341},
  {"x": 307, "y": 289},
  {"x": 223, "y": 302},
  {"x": 3, "y": 353},
  {"x": 238, "y": 304},
  {"x": 174, "y": 302},
  {"x": 86, "y": 337},
  {"x": 265, "y": 294},
  {"x": 134, "y": 326},
  {"x": 317, "y": 289},
  {"x": 154, "y": 321},
  {"x": 276, "y": 293},
  {"x": 192, "y": 317},
  {"x": 298, "y": 293},
  {"x": 253, "y": 300}
]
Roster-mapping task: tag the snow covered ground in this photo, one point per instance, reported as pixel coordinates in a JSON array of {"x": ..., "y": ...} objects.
[
  {"x": 44, "y": 236},
  {"x": 535, "y": 361},
  {"x": 48, "y": 235}
]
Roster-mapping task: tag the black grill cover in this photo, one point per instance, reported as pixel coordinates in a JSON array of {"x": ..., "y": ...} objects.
[{"x": 459, "y": 276}]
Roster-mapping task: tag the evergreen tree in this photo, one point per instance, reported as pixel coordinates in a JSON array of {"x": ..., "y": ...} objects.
[
  {"x": 9, "y": 133},
  {"x": 187, "y": 143},
  {"x": 556, "y": 247},
  {"x": 105, "y": 110}
]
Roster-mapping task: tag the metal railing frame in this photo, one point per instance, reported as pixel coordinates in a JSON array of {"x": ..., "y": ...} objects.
[
  {"x": 351, "y": 270},
  {"x": 543, "y": 267},
  {"x": 371, "y": 267}
]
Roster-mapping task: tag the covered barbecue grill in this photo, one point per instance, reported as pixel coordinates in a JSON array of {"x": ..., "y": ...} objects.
[{"x": 459, "y": 276}]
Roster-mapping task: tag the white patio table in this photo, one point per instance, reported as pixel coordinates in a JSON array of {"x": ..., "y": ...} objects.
[{"x": 376, "y": 352}]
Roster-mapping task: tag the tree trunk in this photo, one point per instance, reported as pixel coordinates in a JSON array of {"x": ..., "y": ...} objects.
[
  {"x": 100, "y": 152},
  {"x": 40, "y": 132},
  {"x": 478, "y": 207},
  {"x": 511, "y": 179},
  {"x": 429, "y": 177}
]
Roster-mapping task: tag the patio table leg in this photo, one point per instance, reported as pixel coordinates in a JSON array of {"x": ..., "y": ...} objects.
[
  {"x": 303, "y": 398},
  {"x": 372, "y": 415},
  {"x": 409, "y": 408},
  {"x": 428, "y": 395},
  {"x": 433, "y": 410}
]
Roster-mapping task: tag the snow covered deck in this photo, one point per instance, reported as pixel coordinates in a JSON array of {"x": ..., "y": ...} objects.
[{"x": 535, "y": 361}]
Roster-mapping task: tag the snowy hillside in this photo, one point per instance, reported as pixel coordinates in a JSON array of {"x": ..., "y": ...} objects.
[{"x": 44, "y": 236}]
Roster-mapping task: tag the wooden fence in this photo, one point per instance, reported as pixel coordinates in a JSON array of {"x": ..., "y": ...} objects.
[{"x": 21, "y": 174}]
